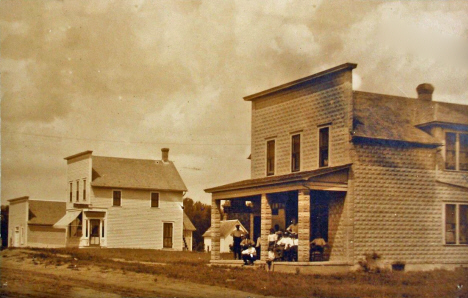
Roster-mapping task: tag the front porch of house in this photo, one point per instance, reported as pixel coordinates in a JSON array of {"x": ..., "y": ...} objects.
[{"x": 318, "y": 200}]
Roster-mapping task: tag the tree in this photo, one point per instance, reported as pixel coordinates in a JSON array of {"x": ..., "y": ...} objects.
[
  {"x": 200, "y": 215},
  {"x": 4, "y": 226}
]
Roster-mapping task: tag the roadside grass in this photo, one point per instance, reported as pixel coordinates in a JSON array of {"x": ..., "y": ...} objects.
[{"x": 193, "y": 267}]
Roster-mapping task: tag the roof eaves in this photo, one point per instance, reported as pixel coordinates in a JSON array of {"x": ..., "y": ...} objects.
[
  {"x": 18, "y": 199},
  {"x": 137, "y": 188},
  {"x": 341, "y": 67},
  {"x": 78, "y": 154},
  {"x": 356, "y": 136}
]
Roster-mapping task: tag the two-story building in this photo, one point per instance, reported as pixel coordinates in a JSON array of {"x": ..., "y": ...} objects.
[
  {"x": 367, "y": 172},
  {"x": 125, "y": 203}
]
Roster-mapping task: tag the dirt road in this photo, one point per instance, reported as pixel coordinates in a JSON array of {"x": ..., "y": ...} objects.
[{"x": 24, "y": 277}]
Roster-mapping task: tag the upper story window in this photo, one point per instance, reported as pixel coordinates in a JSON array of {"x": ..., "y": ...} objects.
[
  {"x": 71, "y": 192},
  {"x": 270, "y": 156},
  {"x": 84, "y": 189},
  {"x": 116, "y": 198},
  {"x": 456, "y": 223},
  {"x": 456, "y": 151},
  {"x": 155, "y": 199},
  {"x": 77, "y": 190},
  {"x": 324, "y": 146},
  {"x": 296, "y": 153}
]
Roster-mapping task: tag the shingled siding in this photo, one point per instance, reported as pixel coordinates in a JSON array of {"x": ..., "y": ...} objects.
[
  {"x": 337, "y": 228},
  {"x": 301, "y": 109},
  {"x": 79, "y": 168},
  {"x": 136, "y": 224},
  {"x": 397, "y": 212}
]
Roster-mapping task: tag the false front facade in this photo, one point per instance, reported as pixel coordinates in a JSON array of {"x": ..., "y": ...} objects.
[{"x": 124, "y": 203}]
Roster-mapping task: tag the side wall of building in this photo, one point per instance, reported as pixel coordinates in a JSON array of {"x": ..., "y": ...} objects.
[
  {"x": 398, "y": 210},
  {"x": 303, "y": 109},
  {"x": 46, "y": 236},
  {"x": 135, "y": 224},
  {"x": 18, "y": 223}
]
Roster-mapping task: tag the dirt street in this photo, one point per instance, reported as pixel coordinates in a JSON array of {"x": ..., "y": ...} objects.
[{"x": 25, "y": 277}]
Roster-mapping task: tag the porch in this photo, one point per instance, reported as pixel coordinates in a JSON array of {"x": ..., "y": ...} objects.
[{"x": 317, "y": 200}]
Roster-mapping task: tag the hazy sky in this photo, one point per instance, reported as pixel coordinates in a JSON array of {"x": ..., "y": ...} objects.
[{"x": 126, "y": 78}]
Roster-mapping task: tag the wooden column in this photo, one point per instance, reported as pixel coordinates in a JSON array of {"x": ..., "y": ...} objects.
[
  {"x": 215, "y": 229},
  {"x": 265, "y": 225},
  {"x": 303, "y": 225},
  {"x": 251, "y": 226}
]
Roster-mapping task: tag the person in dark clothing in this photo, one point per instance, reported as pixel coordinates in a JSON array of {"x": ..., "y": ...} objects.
[{"x": 237, "y": 238}]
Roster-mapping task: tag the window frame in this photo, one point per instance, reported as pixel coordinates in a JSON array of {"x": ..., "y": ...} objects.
[
  {"x": 319, "y": 148},
  {"x": 457, "y": 224},
  {"x": 457, "y": 149},
  {"x": 71, "y": 191},
  {"x": 294, "y": 134},
  {"x": 113, "y": 199},
  {"x": 267, "y": 172},
  {"x": 84, "y": 189},
  {"x": 172, "y": 234},
  {"x": 151, "y": 199},
  {"x": 78, "y": 190}
]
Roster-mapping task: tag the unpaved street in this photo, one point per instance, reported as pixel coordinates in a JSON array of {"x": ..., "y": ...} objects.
[{"x": 25, "y": 277}]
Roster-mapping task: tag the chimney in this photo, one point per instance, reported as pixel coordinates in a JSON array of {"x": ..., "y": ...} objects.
[
  {"x": 165, "y": 154},
  {"x": 425, "y": 91}
]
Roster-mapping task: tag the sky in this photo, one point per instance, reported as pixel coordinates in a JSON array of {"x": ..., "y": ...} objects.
[{"x": 127, "y": 78}]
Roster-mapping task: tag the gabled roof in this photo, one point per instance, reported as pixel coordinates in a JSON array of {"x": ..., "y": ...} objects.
[
  {"x": 391, "y": 118},
  {"x": 188, "y": 225},
  {"x": 45, "y": 212},
  {"x": 226, "y": 228},
  {"x": 136, "y": 173},
  {"x": 272, "y": 180}
]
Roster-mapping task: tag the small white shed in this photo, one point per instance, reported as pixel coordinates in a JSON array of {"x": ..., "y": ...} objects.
[{"x": 226, "y": 228}]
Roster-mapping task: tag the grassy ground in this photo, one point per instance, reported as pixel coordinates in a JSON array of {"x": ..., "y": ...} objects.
[{"x": 193, "y": 267}]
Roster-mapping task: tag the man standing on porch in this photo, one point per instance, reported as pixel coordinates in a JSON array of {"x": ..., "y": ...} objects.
[
  {"x": 293, "y": 227},
  {"x": 237, "y": 238}
]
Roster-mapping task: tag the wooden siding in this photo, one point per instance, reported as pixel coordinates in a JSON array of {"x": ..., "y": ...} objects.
[
  {"x": 136, "y": 224},
  {"x": 18, "y": 217},
  {"x": 78, "y": 169},
  {"x": 46, "y": 236}
]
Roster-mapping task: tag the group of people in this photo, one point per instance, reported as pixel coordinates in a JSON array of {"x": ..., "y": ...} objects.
[{"x": 282, "y": 246}]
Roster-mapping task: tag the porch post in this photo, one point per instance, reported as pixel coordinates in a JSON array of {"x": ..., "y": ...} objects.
[
  {"x": 251, "y": 226},
  {"x": 265, "y": 225},
  {"x": 303, "y": 225},
  {"x": 215, "y": 229}
]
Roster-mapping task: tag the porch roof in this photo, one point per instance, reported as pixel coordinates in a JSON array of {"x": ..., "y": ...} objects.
[{"x": 277, "y": 180}]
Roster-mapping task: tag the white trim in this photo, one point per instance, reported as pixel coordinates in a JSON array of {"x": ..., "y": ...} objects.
[
  {"x": 291, "y": 135},
  {"x": 172, "y": 236},
  {"x": 457, "y": 224},
  {"x": 318, "y": 146},
  {"x": 266, "y": 157}
]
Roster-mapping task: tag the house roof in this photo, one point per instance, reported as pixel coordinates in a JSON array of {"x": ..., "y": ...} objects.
[
  {"x": 226, "y": 227},
  {"x": 188, "y": 225},
  {"x": 271, "y": 180},
  {"x": 45, "y": 212},
  {"x": 391, "y": 118},
  {"x": 345, "y": 66},
  {"x": 136, "y": 173}
]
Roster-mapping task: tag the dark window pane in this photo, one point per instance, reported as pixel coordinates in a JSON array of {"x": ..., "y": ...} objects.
[
  {"x": 323, "y": 146},
  {"x": 463, "y": 155},
  {"x": 71, "y": 192},
  {"x": 450, "y": 154},
  {"x": 450, "y": 224},
  {"x": 77, "y": 191},
  {"x": 463, "y": 227},
  {"x": 296, "y": 153},
  {"x": 167, "y": 237},
  {"x": 84, "y": 190},
  {"x": 271, "y": 157},
  {"x": 117, "y": 198},
  {"x": 154, "y": 199}
]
